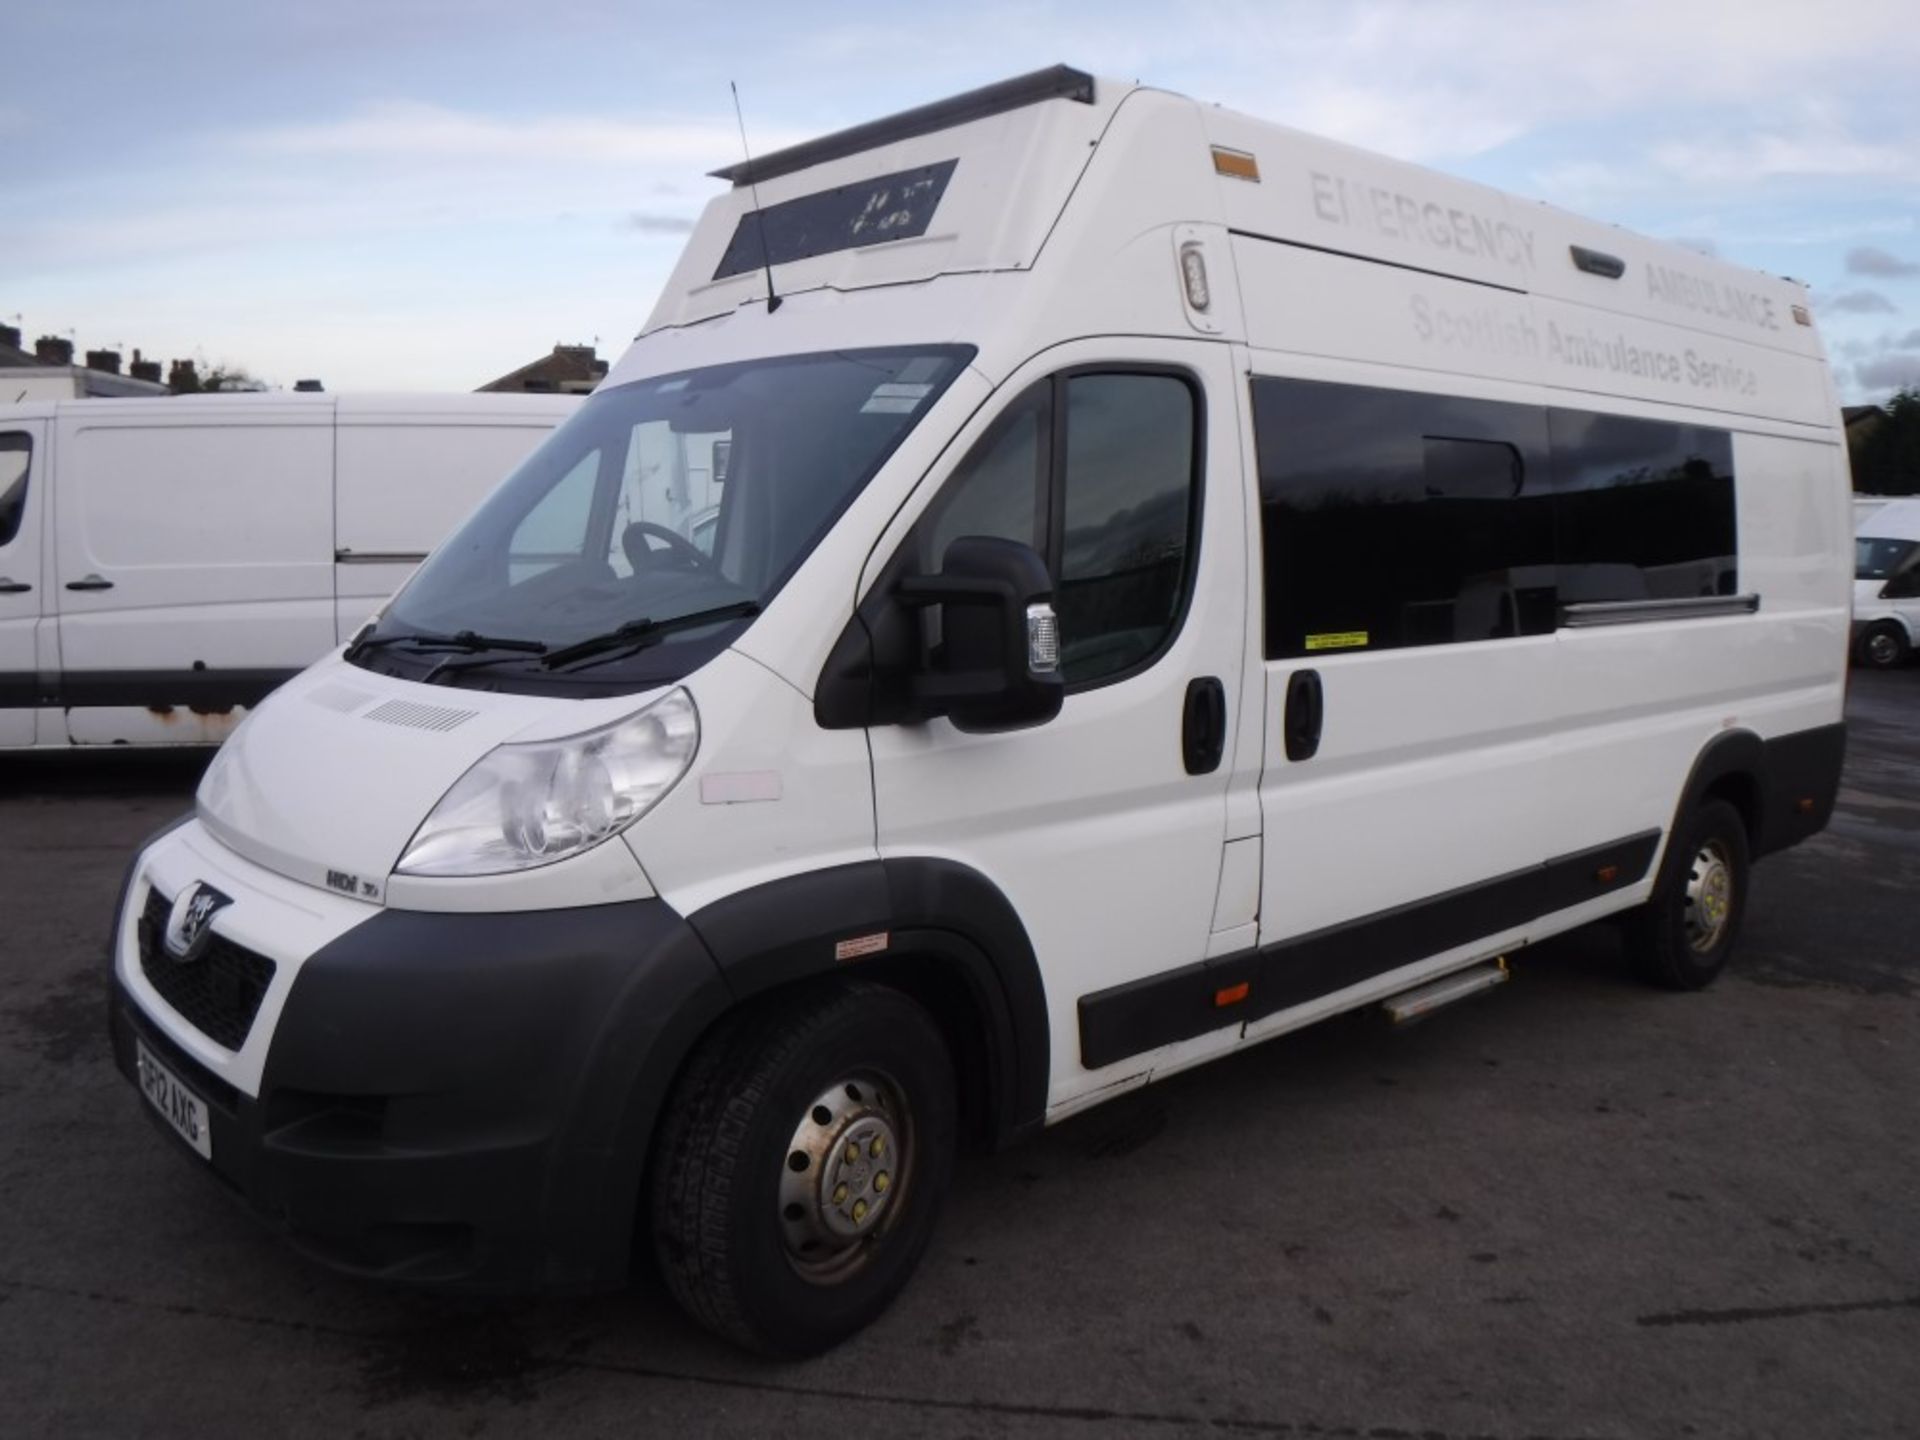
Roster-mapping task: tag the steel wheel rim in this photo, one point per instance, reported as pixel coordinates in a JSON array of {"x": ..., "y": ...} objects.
[
  {"x": 1709, "y": 897},
  {"x": 845, "y": 1176},
  {"x": 1882, "y": 648}
]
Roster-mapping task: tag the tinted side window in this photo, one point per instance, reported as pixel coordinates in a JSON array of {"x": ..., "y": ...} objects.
[
  {"x": 16, "y": 458},
  {"x": 1394, "y": 519},
  {"x": 1123, "y": 552},
  {"x": 1645, "y": 509}
]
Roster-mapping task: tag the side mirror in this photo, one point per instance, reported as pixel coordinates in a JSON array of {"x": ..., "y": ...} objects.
[{"x": 998, "y": 663}]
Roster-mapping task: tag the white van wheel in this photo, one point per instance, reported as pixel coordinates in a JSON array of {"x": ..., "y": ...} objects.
[
  {"x": 1884, "y": 646},
  {"x": 801, "y": 1164}
]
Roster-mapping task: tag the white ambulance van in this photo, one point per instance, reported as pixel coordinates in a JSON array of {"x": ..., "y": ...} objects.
[
  {"x": 1886, "y": 583},
  {"x": 164, "y": 563},
  {"x": 1175, "y": 579}
]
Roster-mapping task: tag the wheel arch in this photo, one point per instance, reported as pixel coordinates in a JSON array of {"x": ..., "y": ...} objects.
[
  {"x": 934, "y": 929},
  {"x": 1730, "y": 767}
]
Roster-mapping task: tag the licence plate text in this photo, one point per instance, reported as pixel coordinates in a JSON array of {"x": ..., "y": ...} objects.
[{"x": 185, "y": 1111}]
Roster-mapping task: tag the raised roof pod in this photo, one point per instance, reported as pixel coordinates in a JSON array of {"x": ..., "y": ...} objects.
[{"x": 1057, "y": 82}]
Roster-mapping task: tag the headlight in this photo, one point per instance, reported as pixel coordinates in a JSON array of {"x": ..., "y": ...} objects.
[{"x": 533, "y": 804}]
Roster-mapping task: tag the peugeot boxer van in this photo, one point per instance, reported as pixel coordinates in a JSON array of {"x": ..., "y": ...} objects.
[
  {"x": 166, "y": 562},
  {"x": 1174, "y": 580},
  {"x": 1886, "y": 584}
]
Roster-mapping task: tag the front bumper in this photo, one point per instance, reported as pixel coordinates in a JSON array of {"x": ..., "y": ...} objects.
[{"x": 462, "y": 1100}]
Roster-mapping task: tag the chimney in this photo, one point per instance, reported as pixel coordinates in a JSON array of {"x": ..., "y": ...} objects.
[
  {"x": 104, "y": 360},
  {"x": 144, "y": 369},
  {"x": 53, "y": 350},
  {"x": 182, "y": 378},
  {"x": 10, "y": 335},
  {"x": 308, "y": 387}
]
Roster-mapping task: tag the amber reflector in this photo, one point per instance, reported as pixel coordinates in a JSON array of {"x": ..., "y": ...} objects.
[
  {"x": 1237, "y": 163},
  {"x": 1232, "y": 994}
]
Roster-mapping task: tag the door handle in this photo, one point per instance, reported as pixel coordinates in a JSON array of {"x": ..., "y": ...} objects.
[
  {"x": 13, "y": 587},
  {"x": 1305, "y": 710},
  {"x": 1203, "y": 726},
  {"x": 90, "y": 582}
]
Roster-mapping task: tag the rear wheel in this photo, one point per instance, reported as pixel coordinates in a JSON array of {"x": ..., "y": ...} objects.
[
  {"x": 802, "y": 1163},
  {"x": 1885, "y": 646},
  {"x": 1681, "y": 938}
]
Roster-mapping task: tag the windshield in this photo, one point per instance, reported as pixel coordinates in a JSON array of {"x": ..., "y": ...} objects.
[
  {"x": 658, "y": 502},
  {"x": 1878, "y": 559}
]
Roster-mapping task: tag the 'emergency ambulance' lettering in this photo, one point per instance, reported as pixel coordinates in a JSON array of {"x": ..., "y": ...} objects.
[{"x": 1395, "y": 215}]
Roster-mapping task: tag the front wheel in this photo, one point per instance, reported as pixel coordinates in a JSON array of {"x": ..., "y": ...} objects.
[
  {"x": 1681, "y": 938},
  {"x": 801, "y": 1166},
  {"x": 1884, "y": 647}
]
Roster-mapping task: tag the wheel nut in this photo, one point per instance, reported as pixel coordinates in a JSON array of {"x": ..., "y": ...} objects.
[
  {"x": 840, "y": 1193},
  {"x": 879, "y": 1146},
  {"x": 853, "y": 1151},
  {"x": 880, "y": 1183},
  {"x": 859, "y": 1211}
]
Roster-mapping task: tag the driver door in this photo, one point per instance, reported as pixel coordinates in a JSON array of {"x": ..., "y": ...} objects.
[{"x": 1120, "y": 465}]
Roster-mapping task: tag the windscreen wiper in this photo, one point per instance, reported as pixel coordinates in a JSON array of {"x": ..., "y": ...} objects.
[
  {"x": 459, "y": 640},
  {"x": 637, "y": 634}
]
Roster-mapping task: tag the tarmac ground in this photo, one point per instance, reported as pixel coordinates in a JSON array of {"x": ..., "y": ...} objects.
[{"x": 1574, "y": 1207}]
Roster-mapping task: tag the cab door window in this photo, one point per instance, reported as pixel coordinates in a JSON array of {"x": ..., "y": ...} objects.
[
  {"x": 1097, "y": 471},
  {"x": 16, "y": 457},
  {"x": 1120, "y": 559}
]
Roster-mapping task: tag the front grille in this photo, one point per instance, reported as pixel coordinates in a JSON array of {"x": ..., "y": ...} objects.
[{"x": 219, "y": 993}]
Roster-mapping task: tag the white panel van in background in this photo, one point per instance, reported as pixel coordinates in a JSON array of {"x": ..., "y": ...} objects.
[
  {"x": 1174, "y": 579},
  {"x": 1886, "y": 583},
  {"x": 166, "y": 562}
]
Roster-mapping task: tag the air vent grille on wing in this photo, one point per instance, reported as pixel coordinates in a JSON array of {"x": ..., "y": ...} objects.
[{"x": 416, "y": 716}]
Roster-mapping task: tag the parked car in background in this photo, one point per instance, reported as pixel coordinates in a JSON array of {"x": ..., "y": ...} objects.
[
  {"x": 1886, "y": 583},
  {"x": 164, "y": 563}
]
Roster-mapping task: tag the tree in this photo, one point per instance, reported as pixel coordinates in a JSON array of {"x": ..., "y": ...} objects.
[
  {"x": 1887, "y": 462},
  {"x": 225, "y": 378}
]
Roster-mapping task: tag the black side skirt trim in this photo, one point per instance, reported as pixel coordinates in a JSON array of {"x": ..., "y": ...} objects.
[
  {"x": 190, "y": 689},
  {"x": 1145, "y": 1014}
]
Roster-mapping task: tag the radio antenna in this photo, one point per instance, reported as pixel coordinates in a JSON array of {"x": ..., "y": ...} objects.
[{"x": 753, "y": 189}]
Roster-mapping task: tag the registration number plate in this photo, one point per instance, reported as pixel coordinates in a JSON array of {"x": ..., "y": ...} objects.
[{"x": 185, "y": 1111}]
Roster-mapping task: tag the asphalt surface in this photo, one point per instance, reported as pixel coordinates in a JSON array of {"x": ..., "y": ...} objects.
[{"x": 1575, "y": 1207}]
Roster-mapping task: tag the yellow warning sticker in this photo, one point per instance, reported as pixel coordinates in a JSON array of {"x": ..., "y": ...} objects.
[{"x": 1338, "y": 640}]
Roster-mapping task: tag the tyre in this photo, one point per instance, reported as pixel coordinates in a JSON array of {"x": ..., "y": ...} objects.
[
  {"x": 1884, "y": 646},
  {"x": 802, "y": 1161},
  {"x": 1681, "y": 938}
]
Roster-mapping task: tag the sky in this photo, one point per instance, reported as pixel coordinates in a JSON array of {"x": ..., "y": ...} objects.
[{"x": 426, "y": 194}]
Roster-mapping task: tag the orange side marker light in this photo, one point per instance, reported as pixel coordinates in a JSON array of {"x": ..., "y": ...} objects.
[
  {"x": 1231, "y": 994},
  {"x": 1237, "y": 163}
]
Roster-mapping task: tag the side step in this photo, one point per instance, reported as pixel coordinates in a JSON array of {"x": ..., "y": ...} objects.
[{"x": 1416, "y": 1004}]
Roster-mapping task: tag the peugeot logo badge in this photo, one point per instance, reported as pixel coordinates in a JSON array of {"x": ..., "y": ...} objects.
[{"x": 190, "y": 924}]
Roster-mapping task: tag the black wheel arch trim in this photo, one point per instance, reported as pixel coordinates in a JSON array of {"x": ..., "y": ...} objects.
[
  {"x": 865, "y": 918},
  {"x": 1794, "y": 780}
]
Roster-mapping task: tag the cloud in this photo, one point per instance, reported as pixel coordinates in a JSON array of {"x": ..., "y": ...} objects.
[
  {"x": 410, "y": 131},
  {"x": 1871, "y": 260},
  {"x": 1858, "y": 302},
  {"x": 658, "y": 224},
  {"x": 1889, "y": 372}
]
